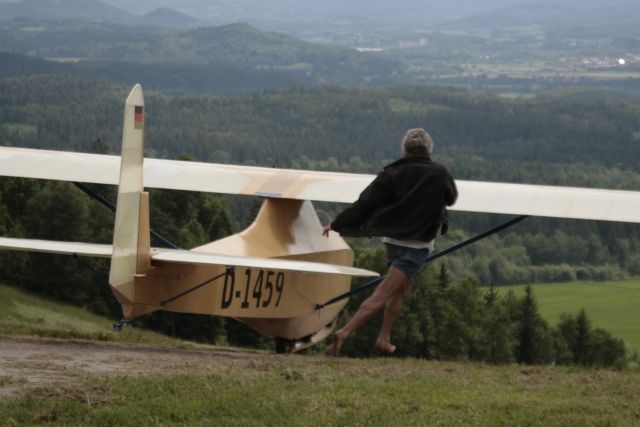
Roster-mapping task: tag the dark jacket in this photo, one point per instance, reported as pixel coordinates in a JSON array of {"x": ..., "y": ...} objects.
[{"x": 406, "y": 201}]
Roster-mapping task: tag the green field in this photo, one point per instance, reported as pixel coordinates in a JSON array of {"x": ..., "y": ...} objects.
[{"x": 614, "y": 306}]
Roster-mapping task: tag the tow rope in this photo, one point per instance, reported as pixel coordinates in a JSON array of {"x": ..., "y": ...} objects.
[
  {"x": 105, "y": 202},
  {"x": 429, "y": 259}
]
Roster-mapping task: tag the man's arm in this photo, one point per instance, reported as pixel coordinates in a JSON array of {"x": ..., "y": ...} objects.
[
  {"x": 376, "y": 194},
  {"x": 452, "y": 191},
  {"x": 450, "y": 197}
]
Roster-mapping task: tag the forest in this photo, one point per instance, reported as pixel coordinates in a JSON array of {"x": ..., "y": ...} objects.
[{"x": 575, "y": 137}]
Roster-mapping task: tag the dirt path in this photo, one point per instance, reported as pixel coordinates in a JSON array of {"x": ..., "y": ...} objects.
[{"x": 28, "y": 362}]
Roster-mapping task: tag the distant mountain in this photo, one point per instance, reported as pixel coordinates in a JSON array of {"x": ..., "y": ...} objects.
[
  {"x": 275, "y": 13},
  {"x": 165, "y": 17},
  {"x": 546, "y": 14},
  {"x": 246, "y": 45},
  {"x": 90, "y": 10},
  {"x": 94, "y": 11},
  {"x": 322, "y": 16},
  {"x": 235, "y": 45},
  {"x": 405, "y": 14},
  {"x": 543, "y": 14}
]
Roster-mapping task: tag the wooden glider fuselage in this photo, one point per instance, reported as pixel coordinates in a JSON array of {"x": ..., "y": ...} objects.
[{"x": 274, "y": 301}]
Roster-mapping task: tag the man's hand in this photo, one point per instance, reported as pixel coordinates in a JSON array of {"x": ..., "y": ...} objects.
[{"x": 326, "y": 229}]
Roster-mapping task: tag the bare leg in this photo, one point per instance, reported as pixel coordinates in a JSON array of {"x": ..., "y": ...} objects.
[
  {"x": 391, "y": 312},
  {"x": 389, "y": 286}
]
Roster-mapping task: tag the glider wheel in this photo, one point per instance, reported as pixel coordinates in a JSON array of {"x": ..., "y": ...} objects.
[
  {"x": 117, "y": 326},
  {"x": 284, "y": 345}
]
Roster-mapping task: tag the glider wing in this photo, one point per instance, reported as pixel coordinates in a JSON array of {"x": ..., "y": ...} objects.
[{"x": 475, "y": 196}]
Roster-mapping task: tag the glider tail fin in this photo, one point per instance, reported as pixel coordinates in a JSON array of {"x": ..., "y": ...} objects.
[{"x": 131, "y": 238}]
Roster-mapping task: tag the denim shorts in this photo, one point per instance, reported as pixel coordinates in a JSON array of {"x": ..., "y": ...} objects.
[{"x": 407, "y": 260}]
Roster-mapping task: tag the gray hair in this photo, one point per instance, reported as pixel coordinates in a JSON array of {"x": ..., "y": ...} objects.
[{"x": 417, "y": 142}]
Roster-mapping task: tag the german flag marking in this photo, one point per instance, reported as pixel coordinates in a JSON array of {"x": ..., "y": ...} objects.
[{"x": 138, "y": 118}]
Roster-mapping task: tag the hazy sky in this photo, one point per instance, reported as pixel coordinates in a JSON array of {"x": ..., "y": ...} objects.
[
  {"x": 320, "y": 10},
  {"x": 396, "y": 14}
]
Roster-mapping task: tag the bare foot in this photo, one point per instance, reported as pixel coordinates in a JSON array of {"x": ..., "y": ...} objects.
[
  {"x": 338, "y": 340},
  {"x": 385, "y": 346}
]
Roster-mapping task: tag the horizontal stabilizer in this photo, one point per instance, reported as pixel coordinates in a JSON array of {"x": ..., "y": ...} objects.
[
  {"x": 49, "y": 246},
  {"x": 191, "y": 257},
  {"x": 475, "y": 196},
  {"x": 182, "y": 257}
]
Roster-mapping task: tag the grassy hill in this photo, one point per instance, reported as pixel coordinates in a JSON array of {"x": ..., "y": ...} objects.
[
  {"x": 22, "y": 313},
  {"x": 610, "y": 305}
]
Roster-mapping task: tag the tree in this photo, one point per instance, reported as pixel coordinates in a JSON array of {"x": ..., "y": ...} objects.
[
  {"x": 99, "y": 147},
  {"x": 444, "y": 279},
  {"x": 606, "y": 350},
  {"x": 496, "y": 340},
  {"x": 587, "y": 346},
  {"x": 567, "y": 329},
  {"x": 58, "y": 212},
  {"x": 582, "y": 342},
  {"x": 5, "y": 220},
  {"x": 533, "y": 340}
]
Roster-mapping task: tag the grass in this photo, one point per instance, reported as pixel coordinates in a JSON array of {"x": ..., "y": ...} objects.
[
  {"x": 24, "y": 314},
  {"x": 257, "y": 388},
  {"x": 294, "y": 391},
  {"x": 613, "y": 306}
]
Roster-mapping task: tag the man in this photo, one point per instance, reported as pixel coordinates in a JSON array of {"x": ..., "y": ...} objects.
[{"x": 406, "y": 204}]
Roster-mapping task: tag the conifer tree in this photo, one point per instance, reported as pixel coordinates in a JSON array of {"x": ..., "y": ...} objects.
[
  {"x": 582, "y": 344},
  {"x": 531, "y": 329},
  {"x": 495, "y": 342}
]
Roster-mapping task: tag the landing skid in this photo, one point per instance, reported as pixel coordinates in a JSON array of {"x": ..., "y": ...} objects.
[
  {"x": 117, "y": 326},
  {"x": 284, "y": 345}
]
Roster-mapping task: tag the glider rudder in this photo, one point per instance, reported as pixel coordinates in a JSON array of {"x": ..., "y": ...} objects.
[{"x": 131, "y": 239}]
